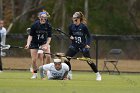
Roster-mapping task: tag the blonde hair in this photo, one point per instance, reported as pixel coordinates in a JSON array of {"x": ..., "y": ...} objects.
[{"x": 81, "y": 16}]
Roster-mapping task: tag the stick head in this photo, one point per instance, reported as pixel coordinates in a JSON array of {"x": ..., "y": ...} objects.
[
  {"x": 28, "y": 30},
  {"x": 60, "y": 54},
  {"x": 84, "y": 59}
]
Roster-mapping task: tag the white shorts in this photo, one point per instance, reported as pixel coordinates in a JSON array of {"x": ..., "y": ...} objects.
[{"x": 46, "y": 51}]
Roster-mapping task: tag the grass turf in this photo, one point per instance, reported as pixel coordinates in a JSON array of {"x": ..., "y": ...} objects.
[{"x": 20, "y": 82}]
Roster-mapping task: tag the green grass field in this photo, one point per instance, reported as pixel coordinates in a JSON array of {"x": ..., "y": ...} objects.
[{"x": 83, "y": 82}]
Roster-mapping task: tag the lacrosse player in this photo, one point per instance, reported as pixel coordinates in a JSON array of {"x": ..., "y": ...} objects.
[
  {"x": 80, "y": 38},
  {"x": 39, "y": 36},
  {"x": 3, "y": 36},
  {"x": 55, "y": 71},
  {"x": 40, "y": 52}
]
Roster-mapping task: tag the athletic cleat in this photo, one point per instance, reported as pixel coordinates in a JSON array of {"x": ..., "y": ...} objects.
[
  {"x": 34, "y": 76},
  {"x": 98, "y": 76}
]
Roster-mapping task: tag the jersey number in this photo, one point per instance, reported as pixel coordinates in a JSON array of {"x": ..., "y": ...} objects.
[
  {"x": 40, "y": 36},
  {"x": 78, "y": 40}
]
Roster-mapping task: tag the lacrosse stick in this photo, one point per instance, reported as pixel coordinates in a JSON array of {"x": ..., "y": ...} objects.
[
  {"x": 7, "y": 47},
  {"x": 67, "y": 57}
]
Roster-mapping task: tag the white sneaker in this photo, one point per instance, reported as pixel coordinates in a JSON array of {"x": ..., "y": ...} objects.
[
  {"x": 69, "y": 76},
  {"x": 34, "y": 76},
  {"x": 98, "y": 76},
  {"x": 1, "y": 71}
]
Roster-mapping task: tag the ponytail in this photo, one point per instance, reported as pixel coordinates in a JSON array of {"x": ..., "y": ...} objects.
[{"x": 82, "y": 18}]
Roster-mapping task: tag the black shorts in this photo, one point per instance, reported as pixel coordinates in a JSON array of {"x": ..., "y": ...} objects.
[
  {"x": 35, "y": 45},
  {"x": 73, "y": 50}
]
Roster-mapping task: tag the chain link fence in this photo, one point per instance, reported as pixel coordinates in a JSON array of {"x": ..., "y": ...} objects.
[{"x": 100, "y": 46}]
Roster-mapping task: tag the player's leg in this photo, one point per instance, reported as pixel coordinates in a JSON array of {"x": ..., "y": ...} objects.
[
  {"x": 3, "y": 40},
  {"x": 72, "y": 51},
  {"x": 41, "y": 56},
  {"x": 86, "y": 53},
  {"x": 34, "y": 56},
  {"x": 47, "y": 60}
]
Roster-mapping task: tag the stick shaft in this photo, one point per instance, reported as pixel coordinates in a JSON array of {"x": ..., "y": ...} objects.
[
  {"x": 4, "y": 47},
  {"x": 78, "y": 58}
]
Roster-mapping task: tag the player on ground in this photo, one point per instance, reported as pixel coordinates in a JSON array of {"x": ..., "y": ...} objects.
[
  {"x": 55, "y": 70},
  {"x": 39, "y": 37},
  {"x": 80, "y": 38}
]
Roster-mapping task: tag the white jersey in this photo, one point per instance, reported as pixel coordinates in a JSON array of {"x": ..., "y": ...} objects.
[
  {"x": 56, "y": 73},
  {"x": 3, "y": 35},
  {"x": 3, "y": 31}
]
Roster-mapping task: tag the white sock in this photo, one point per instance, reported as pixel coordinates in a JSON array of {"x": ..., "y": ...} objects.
[{"x": 97, "y": 73}]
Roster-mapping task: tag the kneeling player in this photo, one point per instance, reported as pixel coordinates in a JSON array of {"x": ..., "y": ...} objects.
[{"x": 55, "y": 71}]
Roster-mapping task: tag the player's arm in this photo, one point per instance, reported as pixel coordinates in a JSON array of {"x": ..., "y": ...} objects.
[
  {"x": 28, "y": 41},
  {"x": 49, "y": 29},
  {"x": 70, "y": 33},
  {"x": 31, "y": 33},
  {"x": 42, "y": 69},
  {"x": 88, "y": 37},
  {"x": 65, "y": 75},
  {"x": 41, "y": 72},
  {"x": 48, "y": 40},
  {"x": 66, "y": 67},
  {"x": 49, "y": 34}
]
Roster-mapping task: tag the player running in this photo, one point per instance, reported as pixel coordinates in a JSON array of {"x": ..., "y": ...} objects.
[
  {"x": 80, "y": 38},
  {"x": 39, "y": 37},
  {"x": 55, "y": 70}
]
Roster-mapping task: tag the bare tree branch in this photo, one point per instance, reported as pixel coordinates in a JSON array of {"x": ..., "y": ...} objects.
[
  {"x": 131, "y": 12},
  {"x": 63, "y": 15},
  {"x": 86, "y": 9},
  {"x": 27, "y": 6},
  {"x": 13, "y": 9},
  {"x": 18, "y": 17},
  {"x": 55, "y": 12},
  {"x": 1, "y": 9}
]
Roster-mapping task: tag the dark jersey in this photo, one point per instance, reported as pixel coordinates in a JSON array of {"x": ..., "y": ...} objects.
[
  {"x": 80, "y": 33},
  {"x": 40, "y": 32}
]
